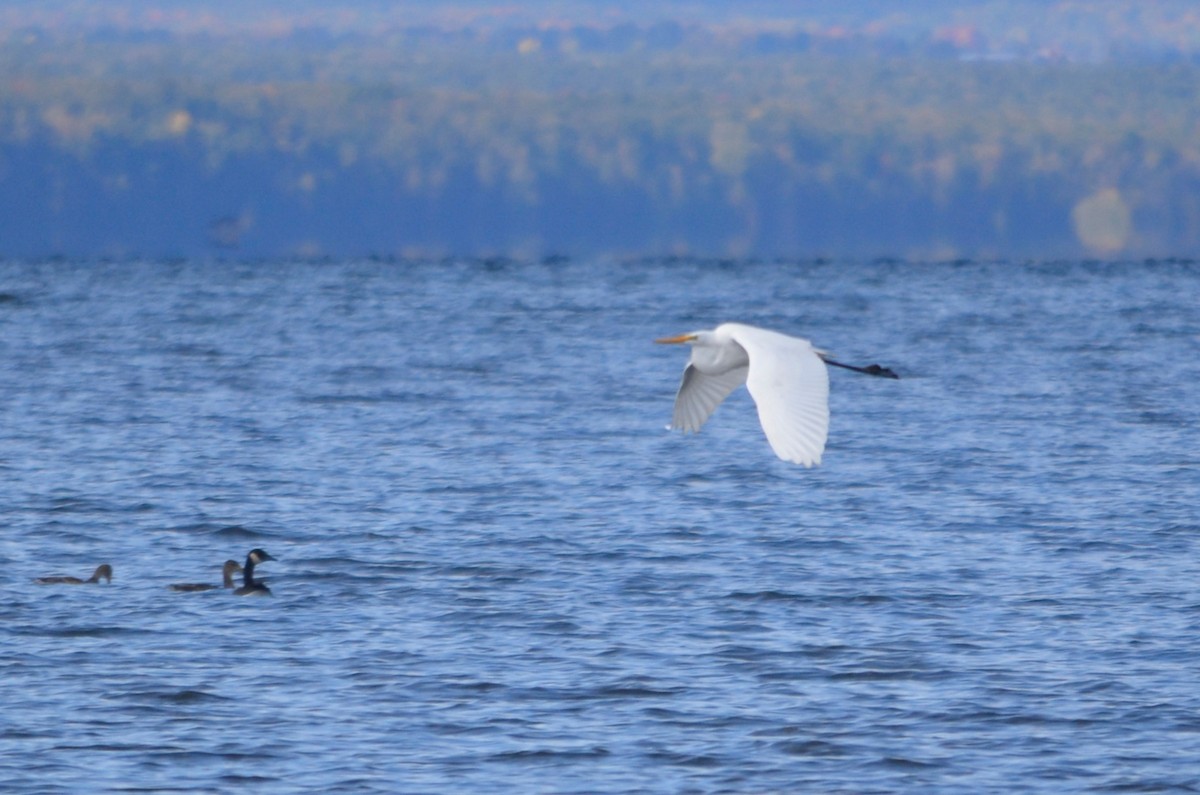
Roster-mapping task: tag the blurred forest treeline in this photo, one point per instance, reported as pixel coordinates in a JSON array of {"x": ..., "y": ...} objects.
[{"x": 979, "y": 129}]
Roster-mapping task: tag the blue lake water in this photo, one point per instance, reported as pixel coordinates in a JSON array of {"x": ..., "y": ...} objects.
[{"x": 498, "y": 572}]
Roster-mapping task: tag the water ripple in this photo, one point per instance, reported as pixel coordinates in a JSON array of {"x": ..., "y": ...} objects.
[{"x": 497, "y": 573}]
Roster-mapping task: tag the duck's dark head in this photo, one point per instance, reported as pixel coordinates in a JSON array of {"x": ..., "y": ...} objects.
[{"x": 257, "y": 556}]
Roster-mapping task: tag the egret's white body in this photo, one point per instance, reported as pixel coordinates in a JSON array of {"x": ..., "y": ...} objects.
[{"x": 785, "y": 375}]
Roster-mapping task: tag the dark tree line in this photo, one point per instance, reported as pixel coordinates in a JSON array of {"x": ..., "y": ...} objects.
[{"x": 425, "y": 142}]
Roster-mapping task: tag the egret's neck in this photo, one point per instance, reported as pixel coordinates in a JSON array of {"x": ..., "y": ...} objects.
[{"x": 717, "y": 359}]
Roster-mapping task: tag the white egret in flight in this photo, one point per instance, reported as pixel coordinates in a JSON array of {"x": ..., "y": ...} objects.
[{"x": 785, "y": 375}]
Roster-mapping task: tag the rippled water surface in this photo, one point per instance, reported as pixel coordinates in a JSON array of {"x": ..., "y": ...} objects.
[{"x": 497, "y": 571}]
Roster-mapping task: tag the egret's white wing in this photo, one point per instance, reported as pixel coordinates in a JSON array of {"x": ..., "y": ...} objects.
[
  {"x": 790, "y": 385},
  {"x": 700, "y": 394}
]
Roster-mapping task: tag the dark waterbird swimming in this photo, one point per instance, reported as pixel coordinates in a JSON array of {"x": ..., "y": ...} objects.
[
  {"x": 228, "y": 571},
  {"x": 103, "y": 571},
  {"x": 251, "y": 586}
]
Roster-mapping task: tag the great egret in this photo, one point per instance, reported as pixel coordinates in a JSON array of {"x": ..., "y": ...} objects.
[{"x": 785, "y": 375}]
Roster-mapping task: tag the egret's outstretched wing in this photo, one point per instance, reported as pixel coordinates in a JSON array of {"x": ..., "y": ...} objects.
[
  {"x": 790, "y": 386},
  {"x": 700, "y": 394}
]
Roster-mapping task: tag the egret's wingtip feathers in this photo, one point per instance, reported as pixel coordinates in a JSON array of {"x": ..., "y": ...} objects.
[
  {"x": 806, "y": 459},
  {"x": 808, "y": 463}
]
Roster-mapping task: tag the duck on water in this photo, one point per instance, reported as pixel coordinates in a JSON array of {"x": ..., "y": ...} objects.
[
  {"x": 103, "y": 571},
  {"x": 251, "y": 586},
  {"x": 228, "y": 572}
]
